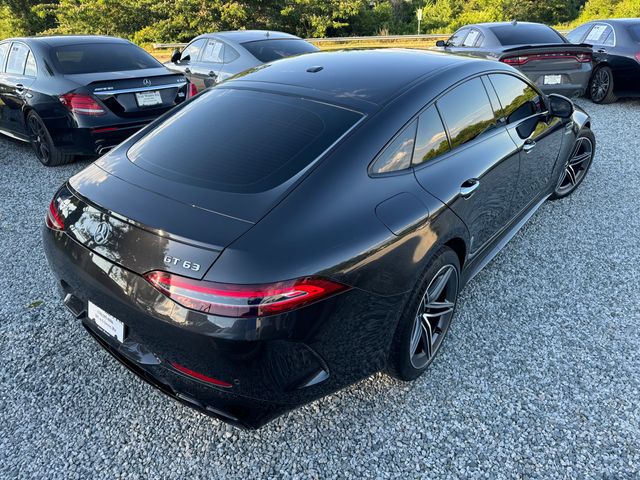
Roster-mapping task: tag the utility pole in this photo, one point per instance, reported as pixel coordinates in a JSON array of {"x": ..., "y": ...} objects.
[{"x": 419, "y": 15}]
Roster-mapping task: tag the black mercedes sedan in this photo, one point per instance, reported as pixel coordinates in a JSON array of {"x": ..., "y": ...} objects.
[
  {"x": 81, "y": 95},
  {"x": 616, "y": 53},
  {"x": 299, "y": 228},
  {"x": 541, "y": 53}
]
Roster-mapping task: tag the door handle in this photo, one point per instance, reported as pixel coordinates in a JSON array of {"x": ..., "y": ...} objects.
[
  {"x": 212, "y": 74},
  {"x": 528, "y": 145},
  {"x": 602, "y": 50},
  {"x": 20, "y": 88},
  {"x": 187, "y": 70},
  {"x": 468, "y": 187}
]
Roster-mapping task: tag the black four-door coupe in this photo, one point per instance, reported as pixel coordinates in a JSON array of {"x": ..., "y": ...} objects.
[
  {"x": 537, "y": 50},
  {"x": 292, "y": 231},
  {"x": 616, "y": 52},
  {"x": 214, "y": 57},
  {"x": 81, "y": 95}
]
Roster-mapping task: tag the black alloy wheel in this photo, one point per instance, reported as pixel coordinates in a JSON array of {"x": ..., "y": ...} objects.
[
  {"x": 42, "y": 143},
  {"x": 577, "y": 165},
  {"x": 601, "y": 86}
]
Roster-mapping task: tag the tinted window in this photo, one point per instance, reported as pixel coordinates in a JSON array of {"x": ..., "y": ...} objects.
[
  {"x": 213, "y": 52},
  {"x": 397, "y": 155},
  {"x": 634, "y": 30},
  {"x": 599, "y": 35},
  {"x": 101, "y": 57},
  {"x": 17, "y": 58},
  {"x": 4, "y": 50},
  {"x": 466, "y": 112},
  {"x": 523, "y": 34},
  {"x": 518, "y": 99},
  {"x": 575, "y": 36},
  {"x": 431, "y": 140},
  {"x": 458, "y": 37},
  {"x": 30, "y": 68},
  {"x": 241, "y": 141},
  {"x": 269, "y": 50}
]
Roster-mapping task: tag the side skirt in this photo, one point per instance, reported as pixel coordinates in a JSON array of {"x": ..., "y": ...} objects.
[
  {"x": 14, "y": 135},
  {"x": 504, "y": 239}
]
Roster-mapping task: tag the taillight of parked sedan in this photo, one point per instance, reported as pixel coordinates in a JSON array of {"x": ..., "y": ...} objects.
[
  {"x": 54, "y": 218},
  {"x": 638, "y": 56},
  {"x": 192, "y": 90},
  {"x": 82, "y": 104},
  {"x": 522, "y": 59},
  {"x": 243, "y": 300}
]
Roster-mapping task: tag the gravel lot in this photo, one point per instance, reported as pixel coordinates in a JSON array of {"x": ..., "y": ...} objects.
[{"x": 539, "y": 378}]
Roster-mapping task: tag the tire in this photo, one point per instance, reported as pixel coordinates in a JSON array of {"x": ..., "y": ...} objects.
[
  {"x": 42, "y": 143},
  {"x": 408, "y": 359},
  {"x": 577, "y": 165},
  {"x": 601, "y": 86}
]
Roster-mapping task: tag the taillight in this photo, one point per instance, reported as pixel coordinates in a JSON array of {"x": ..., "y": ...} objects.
[
  {"x": 241, "y": 301},
  {"x": 54, "y": 218},
  {"x": 638, "y": 56},
  {"x": 515, "y": 60},
  {"x": 192, "y": 90},
  {"x": 522, "y": 59},
  {"x": 82, "y": 104}
]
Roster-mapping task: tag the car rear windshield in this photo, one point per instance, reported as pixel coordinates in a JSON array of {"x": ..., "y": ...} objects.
[
  {"x": 521, "y": 34},
  {"x": 634, "y": 30},
  {"x": 240, "y": 140},
  {"x": 101, "y": 57},
  {"x": 270, "y": 50}
]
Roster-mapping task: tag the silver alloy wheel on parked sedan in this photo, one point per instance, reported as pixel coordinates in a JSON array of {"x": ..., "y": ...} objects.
[
  {"x": 434, "y": 316},
  {"x": 576, "y": 167}
]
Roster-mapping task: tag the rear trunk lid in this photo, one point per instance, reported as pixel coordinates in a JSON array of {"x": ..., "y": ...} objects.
[
  {"x": 142, "y": 230},
  {"x": 135, "y": 93}
]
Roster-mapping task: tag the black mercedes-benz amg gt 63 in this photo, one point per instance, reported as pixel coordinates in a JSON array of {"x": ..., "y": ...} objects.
[
  {"x": 294, "y": 230},
  {"x": 81, "y": 95}
]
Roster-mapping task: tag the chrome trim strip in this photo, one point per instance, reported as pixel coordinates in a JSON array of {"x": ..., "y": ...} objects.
[
  {"x": 14, "y": 135},
  {"x": 141, "y": 89}
]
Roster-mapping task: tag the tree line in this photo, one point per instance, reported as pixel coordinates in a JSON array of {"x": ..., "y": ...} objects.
[{"x": 146, "y": 21}]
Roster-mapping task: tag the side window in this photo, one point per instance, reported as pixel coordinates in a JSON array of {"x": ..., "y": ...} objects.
[
  {"x": 431, "y": 140},
  {"x": 31, "y": 69},
  {"x": 458, "y": 37},
  {"x": 466, "y": 111},
  {"x": 192, "y": 52},
  {"x": 17, "y": 58},
  {"x": 213, "y": 52},
  {"x": 397, "y": 155},
  {"x": 576, "y": 35},
  {"x": 230, "y": 54},
  {"x": 599, "y": 34},
  {"x": 472, "y": 38},
  {"x": 4, "y": 51},
  {"x": 518, "y": 99}
]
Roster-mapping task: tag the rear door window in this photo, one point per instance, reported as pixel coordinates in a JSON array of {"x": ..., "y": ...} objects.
[
  {"x": 213, "y": 52},
  {"x": 466, "y": 111},
  {"x": 600, "y": 34},
  {"x": 397, "y": 155},
  {"x": 457, "y": 38},
  {"x": 471, "y": 40},
  {"x": 4, "y": 51},
  {"x": 17, "y": 58},
  {"x": 241, "y": 140},
  {"x": 518, "y": 99},
  {"x": 576, "y": 35},
  {"x": 192, "y": 51},
  {"x": 431, "y": 140}
]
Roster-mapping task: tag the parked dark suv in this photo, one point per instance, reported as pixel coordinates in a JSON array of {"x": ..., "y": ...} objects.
[{"x": 81, "y": 95}]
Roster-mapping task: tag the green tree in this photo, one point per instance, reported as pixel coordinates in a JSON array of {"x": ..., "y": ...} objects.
[{"x": 314, "y": 18}]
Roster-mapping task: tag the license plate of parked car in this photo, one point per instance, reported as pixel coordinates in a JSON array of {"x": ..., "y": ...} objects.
[
  {"x": 106, "y": 322},
  {"x": 552, "y": 79},
  {"x": 148, "y": 99}
]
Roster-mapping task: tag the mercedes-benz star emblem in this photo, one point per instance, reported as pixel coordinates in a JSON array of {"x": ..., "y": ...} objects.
[
  {"x": 146, "y": 82},
  {"x": 102, "y": 233}
]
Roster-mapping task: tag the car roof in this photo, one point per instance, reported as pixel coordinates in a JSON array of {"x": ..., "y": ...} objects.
[
  {"x": 504, "y": 24},
  {"x": 243, "y": 36},
  {"x": 617, "y": 21},
  {"x": 354, "y": 77},
  {"x": 62, "y": 40}
]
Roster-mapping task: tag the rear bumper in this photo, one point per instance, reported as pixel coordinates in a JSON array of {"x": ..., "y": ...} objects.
[
  {"x": 574, "y": 82},
  {"x": 271, "y": 365}
]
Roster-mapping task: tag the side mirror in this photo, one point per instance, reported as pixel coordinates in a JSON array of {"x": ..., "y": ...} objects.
[
  {"x": 175, "y": 56},
  {"x": 560, "y": 106},
  {"x": 441, "y": 43}
]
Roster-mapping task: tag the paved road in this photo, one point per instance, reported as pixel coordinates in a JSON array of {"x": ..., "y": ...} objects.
[{"x": 540, "y": 376}]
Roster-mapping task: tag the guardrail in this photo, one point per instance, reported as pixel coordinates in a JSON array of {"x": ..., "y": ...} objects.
[{"x": 376, "y": 38}]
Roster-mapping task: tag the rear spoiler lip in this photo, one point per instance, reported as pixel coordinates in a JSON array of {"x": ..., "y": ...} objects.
[{"x": 548, "y": 48}]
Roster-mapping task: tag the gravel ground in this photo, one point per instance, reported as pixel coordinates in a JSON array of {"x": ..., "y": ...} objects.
[{"x": 539, "y": 378}]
